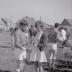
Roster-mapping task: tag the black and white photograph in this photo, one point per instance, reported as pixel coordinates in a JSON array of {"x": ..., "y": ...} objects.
[{"x": 35, "y": 35}]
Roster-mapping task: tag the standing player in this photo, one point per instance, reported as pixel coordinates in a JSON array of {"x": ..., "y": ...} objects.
[
  {"x": 21, "y": 43},
  {"x": 52, "y": 41}
]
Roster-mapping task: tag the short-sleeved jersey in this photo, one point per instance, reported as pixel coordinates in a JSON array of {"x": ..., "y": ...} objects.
[
  {"x": 52, "y": 36},
  {"x": 21, "y": 37}
]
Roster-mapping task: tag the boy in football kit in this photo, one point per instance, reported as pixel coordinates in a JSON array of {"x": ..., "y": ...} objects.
[{"x": 21, "y": 43}]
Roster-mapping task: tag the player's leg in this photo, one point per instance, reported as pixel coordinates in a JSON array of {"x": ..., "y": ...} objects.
[
  {"x": 22, "y": 60},
  {"x": 51, "y": 54},
  {"x": 54, "y": 53}
]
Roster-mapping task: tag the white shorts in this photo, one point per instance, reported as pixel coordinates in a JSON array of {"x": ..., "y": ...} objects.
[
  {"x": 19, "y": 54},
  {"x": 23, "y": 55},
  {"x": 54, "y": 47},
  {"x": 54, "y": 51}
]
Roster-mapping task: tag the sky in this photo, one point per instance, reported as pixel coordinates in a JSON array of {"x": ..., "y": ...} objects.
[{"x": 51, "y": 11}]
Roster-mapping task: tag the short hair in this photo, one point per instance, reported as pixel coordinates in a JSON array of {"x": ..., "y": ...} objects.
[
  {"x": 56, "y": 25},
  {"x": 23, "y": 23}
]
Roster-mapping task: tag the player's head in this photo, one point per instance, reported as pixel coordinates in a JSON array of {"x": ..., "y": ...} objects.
[
  {"x": 23, "y": 25},
  {"x": 56, "y": 25}
]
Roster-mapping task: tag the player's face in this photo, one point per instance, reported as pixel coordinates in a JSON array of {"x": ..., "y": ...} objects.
[{"x": 23, "y": 28}]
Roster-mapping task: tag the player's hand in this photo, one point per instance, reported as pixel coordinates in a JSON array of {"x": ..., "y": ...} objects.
[{"x": 23, "y": 48}]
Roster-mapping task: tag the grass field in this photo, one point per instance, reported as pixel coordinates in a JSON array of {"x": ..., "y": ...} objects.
[
  {"x": 8, "y": 57},
  {"x": 7, "y": 60}
]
